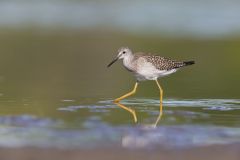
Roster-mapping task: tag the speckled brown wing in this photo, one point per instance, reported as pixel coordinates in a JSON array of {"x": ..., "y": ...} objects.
[{"x": 162, "y": 63}]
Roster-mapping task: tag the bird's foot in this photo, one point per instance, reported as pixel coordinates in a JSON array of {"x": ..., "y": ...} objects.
[{"x": 116, "y": 101}]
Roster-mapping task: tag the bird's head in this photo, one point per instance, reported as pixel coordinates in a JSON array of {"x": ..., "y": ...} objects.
[{"x": 123, "y": 52}]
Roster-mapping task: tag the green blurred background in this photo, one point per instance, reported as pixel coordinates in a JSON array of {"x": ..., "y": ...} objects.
[{"x": 60, "y": 49}]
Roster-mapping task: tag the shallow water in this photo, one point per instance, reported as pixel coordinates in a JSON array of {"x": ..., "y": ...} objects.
[{"x": 78, "y": 123}]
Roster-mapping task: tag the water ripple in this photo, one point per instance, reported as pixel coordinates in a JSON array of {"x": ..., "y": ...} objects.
[
  {"x": 207, "y": 104},
  {"x": 91, "y": 107},
  {"x": 27, "y": 121}
]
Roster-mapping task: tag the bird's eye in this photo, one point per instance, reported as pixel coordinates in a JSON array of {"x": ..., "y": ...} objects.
[{"x": 123, "y": 52}]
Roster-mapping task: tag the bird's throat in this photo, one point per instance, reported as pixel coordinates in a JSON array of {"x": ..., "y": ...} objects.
[{"x": 128, "y": 63}]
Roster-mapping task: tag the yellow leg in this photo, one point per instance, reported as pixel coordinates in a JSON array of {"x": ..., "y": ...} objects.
[
  {"x": 161, "y": 100},
  {"x": 129, "y": 110},
  {"x": 128, "y": 94}
]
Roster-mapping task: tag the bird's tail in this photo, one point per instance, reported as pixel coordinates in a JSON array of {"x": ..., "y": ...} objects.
[{"x": 187, "y": 63}]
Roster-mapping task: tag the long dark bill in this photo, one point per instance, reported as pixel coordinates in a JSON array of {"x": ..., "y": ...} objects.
[{"x": 112, "y": 62}]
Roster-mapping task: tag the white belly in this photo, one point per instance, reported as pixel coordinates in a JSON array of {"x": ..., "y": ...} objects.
[{"x": 149, "y": 72}]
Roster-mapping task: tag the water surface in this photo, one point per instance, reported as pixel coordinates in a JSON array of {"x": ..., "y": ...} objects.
[{"x": 78, "y": 123}]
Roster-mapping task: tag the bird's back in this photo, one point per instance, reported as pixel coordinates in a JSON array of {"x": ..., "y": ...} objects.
[{"x": 162, "y": 63}]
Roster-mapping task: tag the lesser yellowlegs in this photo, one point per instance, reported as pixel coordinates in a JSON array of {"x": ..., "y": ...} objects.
[{"x": 147, "y": 67}]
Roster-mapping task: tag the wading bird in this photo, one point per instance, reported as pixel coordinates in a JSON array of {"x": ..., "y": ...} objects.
[{"x": 147, "y": 67}]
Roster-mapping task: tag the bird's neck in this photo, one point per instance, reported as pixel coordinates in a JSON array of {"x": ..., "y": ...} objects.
[{"x": 128, "y": 62}]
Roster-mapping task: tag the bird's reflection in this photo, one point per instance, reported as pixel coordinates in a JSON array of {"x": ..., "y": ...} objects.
[
  {"x": 133, "y": 112},
  {"x": 142, "y": 138},
  {"x": 129, "y": 110}
]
